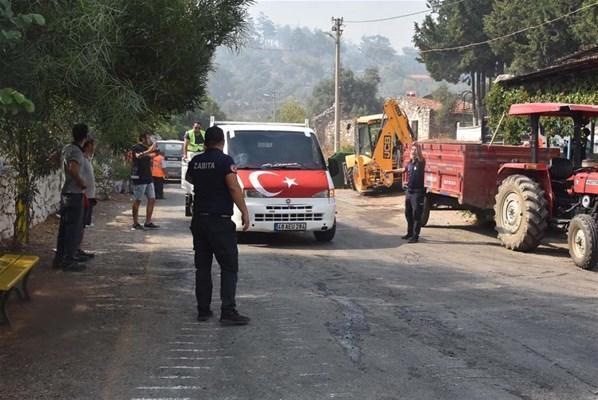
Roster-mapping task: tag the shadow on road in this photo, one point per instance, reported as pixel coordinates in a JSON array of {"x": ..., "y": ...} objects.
[{"x": 347, "y": 238}]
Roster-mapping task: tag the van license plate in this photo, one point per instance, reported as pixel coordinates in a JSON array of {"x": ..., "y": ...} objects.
[{"x": 292, "y": 226}]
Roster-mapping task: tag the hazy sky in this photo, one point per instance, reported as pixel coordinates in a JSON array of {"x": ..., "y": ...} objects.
[{"x": 318, "y": 14}]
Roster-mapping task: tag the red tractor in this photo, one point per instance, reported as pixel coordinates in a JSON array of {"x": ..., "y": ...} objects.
[
  {"x": 526, "y": 188},
  {"x": 570, "y": 189}
]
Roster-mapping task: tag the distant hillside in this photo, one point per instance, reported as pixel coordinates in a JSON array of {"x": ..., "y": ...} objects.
[{"x": 280, "y": 62}]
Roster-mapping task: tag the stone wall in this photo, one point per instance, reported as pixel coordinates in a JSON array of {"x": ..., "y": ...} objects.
[
  {"x": 323, "y": 125},
  {"x": 419, "y": 116},
  {"x": 46, "y": 202}
]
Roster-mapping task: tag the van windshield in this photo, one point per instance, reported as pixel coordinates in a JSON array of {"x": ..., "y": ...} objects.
[{"x": 275, "y": 149}]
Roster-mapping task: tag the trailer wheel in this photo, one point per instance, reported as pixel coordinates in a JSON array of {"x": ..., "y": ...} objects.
[
  {"x": 521, "y": 213},
  {"x": 583, "y": 241},
  {"x": 426, "y": 210}
]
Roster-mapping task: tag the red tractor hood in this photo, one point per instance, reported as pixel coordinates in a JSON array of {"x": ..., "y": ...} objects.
[{"x": 284, "y": 183}]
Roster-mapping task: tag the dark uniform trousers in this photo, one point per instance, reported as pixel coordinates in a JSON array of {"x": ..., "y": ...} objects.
[
  {"x": 214, "y": 235},
  {"x": 70, "y": 228},
  {"x": 414, "y": 207}
]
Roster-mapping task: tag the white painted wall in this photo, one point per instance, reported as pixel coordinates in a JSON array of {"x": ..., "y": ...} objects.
[
  {"x": 469, "y": 133},
  {"x": 46, "y": 202}
]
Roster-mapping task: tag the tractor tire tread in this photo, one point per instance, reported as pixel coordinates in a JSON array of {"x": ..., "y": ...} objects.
[
  {"x": 536, "y": 213},
  {"x": 588, "y": 224}
]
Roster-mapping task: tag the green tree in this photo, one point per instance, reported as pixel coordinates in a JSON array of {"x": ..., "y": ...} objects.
[
  {"x": 121, "y": 65},
  {"x": 444, "y": 118},
  {"x": 541, "y": 46},
  {"x": 12, "y": 27},
  {"x": 292, "y": 111},
  {"x": 294, "y": 64},
  {"x": 359, "y": 95},
  {"x": 377, "y": 50},
  {"x": 456, "y": 24},
  {"x": 177, "y": 125},
  {"x": 584, "y": 25}
]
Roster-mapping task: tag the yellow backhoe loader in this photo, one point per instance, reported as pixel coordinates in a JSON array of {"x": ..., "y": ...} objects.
[{"x": 379, "y": 143}]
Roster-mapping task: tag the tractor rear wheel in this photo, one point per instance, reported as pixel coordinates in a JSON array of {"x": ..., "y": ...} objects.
[
  {"x": 583, "y": 241},
  {"x": 521, "y": 213}
]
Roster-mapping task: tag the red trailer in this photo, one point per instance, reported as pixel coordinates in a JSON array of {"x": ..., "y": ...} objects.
[{"x": 466, "y": 175}]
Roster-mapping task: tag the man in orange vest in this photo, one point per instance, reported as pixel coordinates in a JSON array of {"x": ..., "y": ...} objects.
[{"x": 159, "y": 174}]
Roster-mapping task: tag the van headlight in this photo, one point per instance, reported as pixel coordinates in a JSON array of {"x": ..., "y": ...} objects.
[
  {"x": 252, "y": 193},
  {"x": 324, "y": 194}
]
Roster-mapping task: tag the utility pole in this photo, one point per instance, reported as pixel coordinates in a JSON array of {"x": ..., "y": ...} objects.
[
  {"x": 337, "y": 29},
  {"x": 273, "y": 96}
]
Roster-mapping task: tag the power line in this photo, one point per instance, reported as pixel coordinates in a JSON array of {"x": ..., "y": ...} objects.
[
  {"x": 529, "y": 28},
  {"x": 403, "y": 15}
]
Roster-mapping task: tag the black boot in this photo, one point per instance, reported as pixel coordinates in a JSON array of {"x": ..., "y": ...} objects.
[{"x": 233, "y": 318}]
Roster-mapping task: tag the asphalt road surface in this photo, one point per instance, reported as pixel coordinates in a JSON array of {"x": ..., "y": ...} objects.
[{"x": 367, "y": 316}]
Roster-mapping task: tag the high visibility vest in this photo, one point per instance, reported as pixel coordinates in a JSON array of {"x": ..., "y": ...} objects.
[
  {"x": 193, "y": 146},
  {"x": 157, "y": 170}
]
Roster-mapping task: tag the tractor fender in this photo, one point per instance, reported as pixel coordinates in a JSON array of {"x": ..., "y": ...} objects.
[{"x": 538, "y": 172}]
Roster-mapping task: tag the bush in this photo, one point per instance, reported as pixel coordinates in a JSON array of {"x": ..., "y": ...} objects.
[{"x": 111, "y": 173}]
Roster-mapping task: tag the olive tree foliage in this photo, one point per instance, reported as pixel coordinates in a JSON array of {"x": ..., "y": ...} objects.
[
  {"x": 119, "y": 65},
  {"x": 545, "y": 44},
  {"x": 177, "y": 125},
  {"x": 292, "y": 111}
]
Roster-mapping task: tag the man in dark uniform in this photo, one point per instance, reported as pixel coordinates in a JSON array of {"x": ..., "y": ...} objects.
[
  {"x": 414, "y": 196},
  {"x": 214, "y": 178}
]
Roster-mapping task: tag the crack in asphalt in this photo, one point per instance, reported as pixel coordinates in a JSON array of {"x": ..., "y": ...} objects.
[{"x": 347, "y": 331}]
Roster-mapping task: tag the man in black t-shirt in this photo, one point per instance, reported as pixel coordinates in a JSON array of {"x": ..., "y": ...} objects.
[
  {"x": 143, "y": 182},
  {"x": 216, "y": 189}
]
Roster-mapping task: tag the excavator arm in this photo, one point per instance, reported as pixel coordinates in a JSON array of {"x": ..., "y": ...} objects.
[
  {"x": 396, "y": 125},
  {"x": 381, "y": 169}
]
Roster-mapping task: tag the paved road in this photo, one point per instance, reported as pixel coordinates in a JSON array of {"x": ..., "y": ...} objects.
[{"x": 365, "y": 317}]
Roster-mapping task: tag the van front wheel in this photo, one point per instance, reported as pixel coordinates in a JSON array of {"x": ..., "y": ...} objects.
[{"x": 326, "y": 236}]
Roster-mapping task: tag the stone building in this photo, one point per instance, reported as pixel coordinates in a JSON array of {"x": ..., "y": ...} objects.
[{"x": 420, "y": 112}]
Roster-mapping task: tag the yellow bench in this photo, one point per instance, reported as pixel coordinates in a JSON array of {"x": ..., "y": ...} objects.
[{"x": 14, "y": 269}]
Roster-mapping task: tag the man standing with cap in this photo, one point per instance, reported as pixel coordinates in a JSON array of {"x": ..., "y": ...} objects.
[{"x": 213, "y": 175}]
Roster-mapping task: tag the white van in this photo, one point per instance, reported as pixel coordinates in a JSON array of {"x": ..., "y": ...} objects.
[{"x": 284, "y": 178}]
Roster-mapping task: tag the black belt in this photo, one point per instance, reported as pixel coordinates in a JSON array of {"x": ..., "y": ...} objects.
[{"x": 214, "y": 215}]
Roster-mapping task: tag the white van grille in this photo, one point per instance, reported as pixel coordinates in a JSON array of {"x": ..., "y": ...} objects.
[
  {"x": 289, "y": 217},
  {"x": 290, "y": 207}
]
